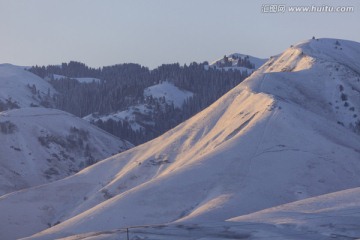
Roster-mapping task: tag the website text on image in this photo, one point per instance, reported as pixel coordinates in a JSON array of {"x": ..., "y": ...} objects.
[{"x": 282, "y": 8}]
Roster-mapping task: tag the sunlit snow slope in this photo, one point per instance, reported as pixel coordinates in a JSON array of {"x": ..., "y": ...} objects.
[{"x": 284, "y": 134}]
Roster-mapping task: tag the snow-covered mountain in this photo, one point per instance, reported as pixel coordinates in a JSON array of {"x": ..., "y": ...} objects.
[
  {"x": 21, "y": 88},
  {"x": 239, "y": 62},
  {"x": 40, "y": 145},
  {"x": 321, "y": 76},
  {"x": 285, "y": 134}
]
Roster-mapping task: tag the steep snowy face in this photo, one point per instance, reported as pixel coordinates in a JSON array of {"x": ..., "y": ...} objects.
[
  {"x": 40, "y": 145},
  {"x": 21, "y": 88},
  {"x": 320, "y": 75}
]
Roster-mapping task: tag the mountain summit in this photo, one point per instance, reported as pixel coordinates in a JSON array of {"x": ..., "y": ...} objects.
[
  {"x": 286, "y": 133},
  {"x": 322, "y": 76}
]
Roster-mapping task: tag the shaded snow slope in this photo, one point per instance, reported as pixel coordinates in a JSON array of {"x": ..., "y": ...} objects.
[
  {"x": 39, "y": 145},
  {"x": 265, "y": 143},
  {"x": 21, "y": 88}
]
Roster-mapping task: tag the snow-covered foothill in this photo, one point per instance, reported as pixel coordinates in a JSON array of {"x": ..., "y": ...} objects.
[
  {"x": 40, "y": 145},
  {"x": 21, "y": 88}
]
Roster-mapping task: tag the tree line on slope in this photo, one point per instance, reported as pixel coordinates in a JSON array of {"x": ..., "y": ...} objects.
[{"x": 122, "y": 86}]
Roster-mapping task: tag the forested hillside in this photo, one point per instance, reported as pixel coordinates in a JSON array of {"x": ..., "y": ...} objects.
[{"x": 121, "y": 88}]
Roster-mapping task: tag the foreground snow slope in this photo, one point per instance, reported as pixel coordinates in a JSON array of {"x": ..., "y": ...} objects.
[
  {"x": 21, "y": 88},
  {"x": 273, "y": 139},
  {"x": 330, "y": 216},
  {"x": 335, "y": 215},
  {"x": 40, "y": 145}
]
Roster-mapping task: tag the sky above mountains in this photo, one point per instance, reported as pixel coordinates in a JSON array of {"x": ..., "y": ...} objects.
[{"x": 106, "y": 32}]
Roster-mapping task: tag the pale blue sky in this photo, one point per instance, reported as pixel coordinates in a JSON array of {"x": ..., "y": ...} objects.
[{"x": 152, "y": 32}]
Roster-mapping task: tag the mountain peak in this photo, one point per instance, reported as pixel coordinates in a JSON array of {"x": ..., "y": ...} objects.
[{"x": 321, "y": 75}]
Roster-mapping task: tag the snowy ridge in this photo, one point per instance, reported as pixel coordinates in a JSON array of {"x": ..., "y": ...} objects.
[
  {"x": 258, "y": 62},
  {"x": 319, "y": 75},
  {"x": 21, "y": 88},
  {"x": 232, "y": 63},
  {"x": 272, "y": 140},
  {"x": 41, "y": 145}
]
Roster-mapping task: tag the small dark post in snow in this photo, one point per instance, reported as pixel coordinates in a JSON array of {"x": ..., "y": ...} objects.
[{"x": 127, "y": 233}]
